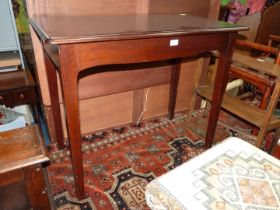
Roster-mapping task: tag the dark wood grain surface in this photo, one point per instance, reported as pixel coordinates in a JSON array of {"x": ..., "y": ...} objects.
[
  {"x": 18, "y": 88},
  {"x": 20, "y": 148},
  {"x": 16, "y": 79},
  {"x": 21, "y": 154},
  {"x": 73, "y": 29}
]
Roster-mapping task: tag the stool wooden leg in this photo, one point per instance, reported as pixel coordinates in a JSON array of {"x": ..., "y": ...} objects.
[
  {"x": 265, "y": 98},
  {"x": 37, "y": 192}
]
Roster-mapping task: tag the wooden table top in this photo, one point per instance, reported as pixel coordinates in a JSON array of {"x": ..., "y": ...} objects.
[
  {"x": 75, "y": 29},
  {"x": 20, "y": 148}
]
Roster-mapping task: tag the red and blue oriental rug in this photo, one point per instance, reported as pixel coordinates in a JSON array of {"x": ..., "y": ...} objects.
[{"x": 120, "y": 162}]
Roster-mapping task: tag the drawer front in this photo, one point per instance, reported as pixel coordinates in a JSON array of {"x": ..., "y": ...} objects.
[
  {"x": 24, "y": 97},
  {"x": 4, "y": 98}
]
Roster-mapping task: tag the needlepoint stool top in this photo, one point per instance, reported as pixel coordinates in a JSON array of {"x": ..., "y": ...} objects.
[{"x": 231, "y": 175}]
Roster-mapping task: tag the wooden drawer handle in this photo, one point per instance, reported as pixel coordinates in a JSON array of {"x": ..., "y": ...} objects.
[
  {"x": 21, "y": 95},
  {"x": 1, "y": 98}
]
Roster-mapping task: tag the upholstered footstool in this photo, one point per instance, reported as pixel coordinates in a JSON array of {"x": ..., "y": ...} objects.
[{"x": 231, "y": 175}]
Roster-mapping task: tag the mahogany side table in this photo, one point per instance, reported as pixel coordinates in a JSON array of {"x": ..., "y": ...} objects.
[{"x": 73, "y": 44}]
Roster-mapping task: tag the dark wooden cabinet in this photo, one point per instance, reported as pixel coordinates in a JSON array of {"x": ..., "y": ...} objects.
[
  {"x": 23, "y": 96},
  {"x": 18, "y": 88}
]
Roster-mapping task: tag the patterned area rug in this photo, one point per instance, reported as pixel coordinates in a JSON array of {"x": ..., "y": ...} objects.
[{"x": 118, "y": 163}]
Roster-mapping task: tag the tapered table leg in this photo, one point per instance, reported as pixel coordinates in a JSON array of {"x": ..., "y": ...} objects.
[
  {"x": 175, "y": 75},
  {"x": 53, "y": 88},
  {"x": 69, "y": 80},
  {"x": 220, "y": 83}
]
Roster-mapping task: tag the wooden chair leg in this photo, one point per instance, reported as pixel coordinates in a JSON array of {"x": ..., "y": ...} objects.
[
  {"x": 270, "y": 110},
  {"x": 207, "y": 109},
  {"x": 199, "y": 79},
  {"x": 265, "y": 98},
  {"x": 263, "y": 105}
]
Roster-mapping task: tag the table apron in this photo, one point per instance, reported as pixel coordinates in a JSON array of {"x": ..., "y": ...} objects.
[{"x": 144, "y": 50}]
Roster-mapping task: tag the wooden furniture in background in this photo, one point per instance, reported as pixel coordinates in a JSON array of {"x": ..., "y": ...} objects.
[
  {"x": 123, "y": 112},
  {"x": 273, "y": 38},
  {"x": 274, "y": 41},
  {"x": 9, "y": 40},
  {"x": 269, "y": 24},
  {"x": 263, "y": 81},
  {"x": 265, "y": 76},
  {"x": 8, "y": 59},
  {"x": 21, "y": 155},
  {"x": 76, "y": 43},
  {"x": 18, "y": 88}
]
